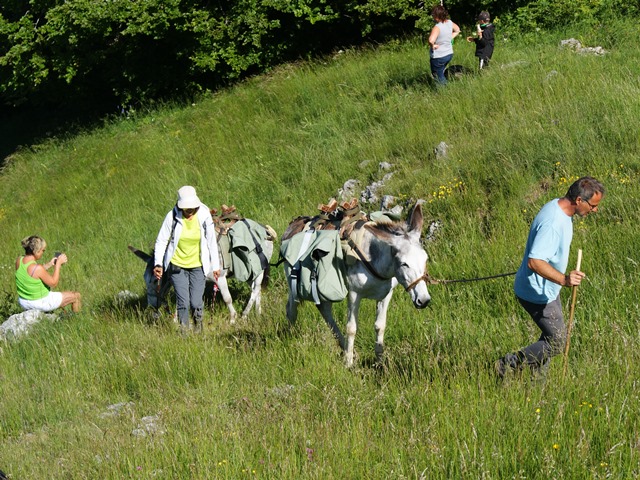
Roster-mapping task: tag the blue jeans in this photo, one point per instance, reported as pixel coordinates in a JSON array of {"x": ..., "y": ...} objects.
[
  {"x": 437, "y": 68},
  {"x": 189, "y": 285}
]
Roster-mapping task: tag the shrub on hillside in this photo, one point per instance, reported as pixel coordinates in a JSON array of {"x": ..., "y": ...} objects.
[
  {"x": 124, "y": 52},
  {"x": 547, "y": 14}
]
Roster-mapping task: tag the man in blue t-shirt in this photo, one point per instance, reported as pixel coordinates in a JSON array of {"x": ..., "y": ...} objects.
[{"x": 542, "y": 273}]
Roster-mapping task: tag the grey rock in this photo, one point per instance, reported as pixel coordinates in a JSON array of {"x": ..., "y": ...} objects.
[
  {"x": 149, "y": 425},
  {"x": 575, "y": 45},
  {"x": 348, "y": 190},
  {"x": 432, "y": 230},
  {"x": 126, "y": 296},
  {"x": 116, "y": 409},
  {"x": 387, "y": 202},
  {"x": 19, "y": 324},
  {"x": 441, "y": 150}
]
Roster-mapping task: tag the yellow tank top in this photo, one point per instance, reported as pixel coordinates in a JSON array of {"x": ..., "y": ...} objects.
[{"x": 187, "y": 254}]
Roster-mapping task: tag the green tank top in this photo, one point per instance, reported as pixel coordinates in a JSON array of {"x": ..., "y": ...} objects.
[{"x": 28, "y": 287}]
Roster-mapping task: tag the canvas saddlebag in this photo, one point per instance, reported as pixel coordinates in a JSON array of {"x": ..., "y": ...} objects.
[
  {"x": 317, "y": 268},
  {"x": 247, "y": 240}
]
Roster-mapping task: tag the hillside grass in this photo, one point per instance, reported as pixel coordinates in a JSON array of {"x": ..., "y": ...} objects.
[{"x": 262, "y": 399}]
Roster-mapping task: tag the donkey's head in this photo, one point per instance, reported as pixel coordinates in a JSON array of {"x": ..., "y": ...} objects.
[{"x": 409, "y": 257}]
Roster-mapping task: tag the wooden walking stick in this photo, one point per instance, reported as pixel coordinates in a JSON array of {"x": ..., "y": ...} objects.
[{"x": 574, "y": 295}]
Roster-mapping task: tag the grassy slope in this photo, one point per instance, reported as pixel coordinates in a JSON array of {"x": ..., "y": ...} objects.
[{"x": 261, "y": 400}]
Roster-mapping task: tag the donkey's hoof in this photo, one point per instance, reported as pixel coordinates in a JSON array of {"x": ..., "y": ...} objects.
[{"x": 349, "y": 359}]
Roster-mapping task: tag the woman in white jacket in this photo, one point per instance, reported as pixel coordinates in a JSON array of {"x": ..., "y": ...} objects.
[{"x": 187, "y": 250}]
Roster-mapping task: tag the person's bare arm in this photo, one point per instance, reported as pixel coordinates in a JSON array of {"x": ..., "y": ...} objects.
[
  {"x": 51, "y": 280},
  {"x": 455, "y": 31},
  {"x": 433, "y": 36},
  {"x": 545, "y": 270}
]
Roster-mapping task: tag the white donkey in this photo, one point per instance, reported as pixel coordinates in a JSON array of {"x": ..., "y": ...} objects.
[
  {"x": 388, "y": 254},
  {"x": 156, "y": 291}
]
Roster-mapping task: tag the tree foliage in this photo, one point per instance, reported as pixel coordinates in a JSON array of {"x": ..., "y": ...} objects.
[
  {"x": 542, "y": 14},
  {"x": 109, "y": 52},
  {"x": 127, "y": 51}
]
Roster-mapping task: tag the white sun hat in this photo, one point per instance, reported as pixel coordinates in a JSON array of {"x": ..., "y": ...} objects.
[{"x": 187, "y": 198}]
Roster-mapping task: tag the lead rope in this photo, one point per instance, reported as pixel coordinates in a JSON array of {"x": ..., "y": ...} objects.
[{"x": 433, "y": 281}]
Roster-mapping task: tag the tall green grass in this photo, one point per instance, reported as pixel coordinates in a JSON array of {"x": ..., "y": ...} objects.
[{"x": 263, "y": 399}]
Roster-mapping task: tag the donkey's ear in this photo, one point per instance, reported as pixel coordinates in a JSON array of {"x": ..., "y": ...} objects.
[
  {"x": 416, "y": 220},
  {"x": 379, "y": 231}
]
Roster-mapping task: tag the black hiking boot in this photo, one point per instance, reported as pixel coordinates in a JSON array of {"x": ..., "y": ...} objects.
[{"x": 505, "y": 365}]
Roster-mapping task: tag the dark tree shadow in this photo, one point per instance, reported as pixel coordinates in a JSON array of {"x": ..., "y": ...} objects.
[
  {"x": 23, "y": 127},
  {"x": 456, "y": 72},
  {"x": 423, "y": 79},
  {"x": 410, "y": 80}
]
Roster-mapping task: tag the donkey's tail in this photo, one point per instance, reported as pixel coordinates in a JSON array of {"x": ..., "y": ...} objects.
[
  {"x": 265, "y": 276},
  {"x": 140, "y": 254}
]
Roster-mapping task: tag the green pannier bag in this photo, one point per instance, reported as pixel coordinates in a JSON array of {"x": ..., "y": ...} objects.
[
  {"x": 244, "y": 256},
  {"x": 318, "y": 271}
]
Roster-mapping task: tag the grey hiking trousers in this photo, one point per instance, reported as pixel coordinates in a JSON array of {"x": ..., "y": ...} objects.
[
  {"x": 553, "y": 337},
  {"x": 189, "y": 285}
]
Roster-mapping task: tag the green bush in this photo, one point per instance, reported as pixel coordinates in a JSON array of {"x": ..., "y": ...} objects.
[
  {"x": 123, "y": 52},
  {"x": 544, "y": 14},
  {"x": 128, "y": 52}
]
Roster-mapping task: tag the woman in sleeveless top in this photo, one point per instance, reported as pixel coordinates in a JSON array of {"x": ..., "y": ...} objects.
[
  {"x": 34, "y": 282},
  {"x": 441, "y": 42}
]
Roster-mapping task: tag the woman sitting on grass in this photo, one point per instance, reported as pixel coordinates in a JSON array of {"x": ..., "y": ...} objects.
[{"x": 34, "y": 282}]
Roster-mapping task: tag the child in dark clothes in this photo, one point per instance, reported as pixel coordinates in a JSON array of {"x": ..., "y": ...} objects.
[{"x": 485, "y": 39}]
